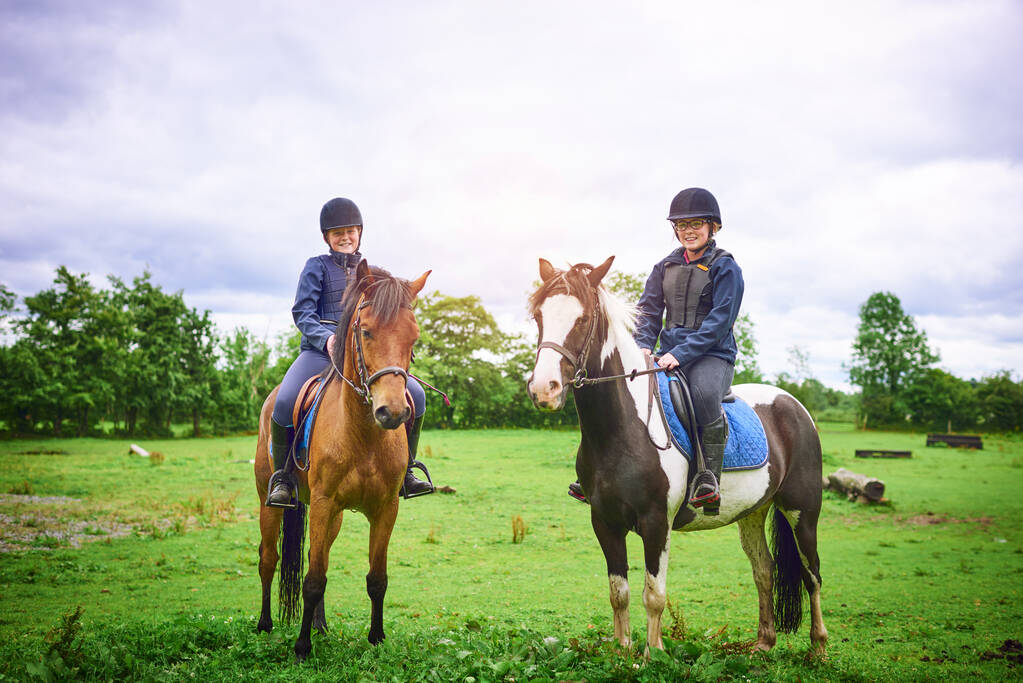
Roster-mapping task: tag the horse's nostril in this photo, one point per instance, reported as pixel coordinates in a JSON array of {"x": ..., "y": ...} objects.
[{"x": 382, "y": 414}]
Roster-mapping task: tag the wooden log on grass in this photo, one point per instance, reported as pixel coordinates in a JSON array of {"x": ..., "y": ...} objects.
[
  {"x": 877, "y": 453},
  {"x": 856, "y": 486},
  {"x": 136, "y": 449}
]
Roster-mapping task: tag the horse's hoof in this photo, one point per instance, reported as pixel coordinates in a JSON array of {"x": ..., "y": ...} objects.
[
  {"x": 376, "y": 638},
  {"x": 763, "y": 646},
  {"x": 264, "y": 627},
  {"x": 302, "y": 651}
]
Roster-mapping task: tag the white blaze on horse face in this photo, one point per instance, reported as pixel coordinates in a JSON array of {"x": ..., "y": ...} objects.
[{"x": 559, "y": 314}]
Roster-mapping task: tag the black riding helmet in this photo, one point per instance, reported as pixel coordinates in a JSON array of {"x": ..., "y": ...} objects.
[
  {"x": 340, "y": 213},
  {"x": 694, "y": 202}
]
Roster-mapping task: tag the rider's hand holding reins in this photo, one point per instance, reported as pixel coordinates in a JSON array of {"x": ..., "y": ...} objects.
[{"x": 667, "y": 361}]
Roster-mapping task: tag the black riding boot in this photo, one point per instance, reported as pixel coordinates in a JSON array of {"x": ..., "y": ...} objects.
[
  {"x": 412, "y": 486},
  {"x": 706, "y": 491},
  {"x": 282, "y": 483}
]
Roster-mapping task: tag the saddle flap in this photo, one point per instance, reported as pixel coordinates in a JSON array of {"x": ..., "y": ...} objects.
[{"x": 305, "y": 399}]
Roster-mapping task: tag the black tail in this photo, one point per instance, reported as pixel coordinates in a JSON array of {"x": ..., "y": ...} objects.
[
  {"x": 289, "y": 586},
  {"x": 788, "y": 596}
]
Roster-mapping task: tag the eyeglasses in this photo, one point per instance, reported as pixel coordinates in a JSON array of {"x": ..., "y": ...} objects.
[{"x": 694, "y": 224}]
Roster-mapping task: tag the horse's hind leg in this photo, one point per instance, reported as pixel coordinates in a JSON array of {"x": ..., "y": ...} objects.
[
  {"x": 380, "y": 527},
  {"x": 754, "y": 542},
  {"x": 806, "y": 540},
  {"x": 269, "y": 529},
  {"x": 612, "y": 542}
]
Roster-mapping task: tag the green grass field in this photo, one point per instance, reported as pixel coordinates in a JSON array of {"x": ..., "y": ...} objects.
[{"x": 161, "y": 557}]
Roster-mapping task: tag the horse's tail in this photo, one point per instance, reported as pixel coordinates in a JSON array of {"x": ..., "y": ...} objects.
[
  {"x": 292, "y": 541},
  {"x": 788, "y": 596}
]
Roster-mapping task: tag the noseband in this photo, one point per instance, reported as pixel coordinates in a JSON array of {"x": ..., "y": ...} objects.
[{"x": 365, "y": 378}]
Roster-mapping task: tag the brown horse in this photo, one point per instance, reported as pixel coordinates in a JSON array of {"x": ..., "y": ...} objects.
[
  {"x": 635, "y": 479},
  {"x": 357, "y": 456}
]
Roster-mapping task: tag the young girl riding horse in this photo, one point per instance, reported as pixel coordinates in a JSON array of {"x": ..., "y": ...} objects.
[
  {"x": 317, "y": 313},
  {"x": 700, "y": 286}
]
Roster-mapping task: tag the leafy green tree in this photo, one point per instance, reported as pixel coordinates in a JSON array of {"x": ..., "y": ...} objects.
[
  {"x": 1000, "y": 402},
  {"x": 889, "y": 353},
  {"x": 939, "y": 400},
  {"x": 627, "y": 286},
  {"x": 747, "y": 368},
  {"x": 460, "y": 350},
  {"x": 197, "y": 365},
  {"x": 56, "y": 327}
]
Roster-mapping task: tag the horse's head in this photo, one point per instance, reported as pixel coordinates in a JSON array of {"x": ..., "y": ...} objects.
[
  {"x": 378, "y": 342},
  {"x": 566, "y": 308}
]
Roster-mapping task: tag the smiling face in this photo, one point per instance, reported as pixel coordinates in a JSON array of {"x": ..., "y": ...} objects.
[
  {"x": 693, "y": 234},
  {"x": 344, "y": 240}
]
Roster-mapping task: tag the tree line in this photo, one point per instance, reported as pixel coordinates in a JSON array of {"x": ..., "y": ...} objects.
[{"x": 134, "y": 359}]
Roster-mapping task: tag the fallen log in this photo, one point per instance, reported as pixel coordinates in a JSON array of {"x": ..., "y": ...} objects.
[
  {"x": 856, "y": 486},
  {"x": 138, "y": 450}
]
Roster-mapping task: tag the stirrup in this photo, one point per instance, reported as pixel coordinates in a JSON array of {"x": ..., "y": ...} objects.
[
  {"x": 416, "y": 465},
  {"x": 709, "y": 498},
  {"x": 576, "y": 491},
  {"x": 288, "y": 478}
]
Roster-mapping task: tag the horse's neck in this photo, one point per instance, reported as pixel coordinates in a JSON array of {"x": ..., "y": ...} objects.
[{"x": 609, "y": 405}]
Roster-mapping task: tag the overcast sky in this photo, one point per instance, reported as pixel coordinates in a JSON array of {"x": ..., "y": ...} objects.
[{"x": 853, "y": 147}]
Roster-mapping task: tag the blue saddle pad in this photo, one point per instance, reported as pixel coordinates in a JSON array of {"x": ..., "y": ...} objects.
[{"x": 746, "y": 448}]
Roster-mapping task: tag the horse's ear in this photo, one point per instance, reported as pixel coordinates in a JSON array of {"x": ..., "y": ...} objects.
[
  {"x": 598, "y": 273},
  {"x": 362, "y": 273},
  {"x": 417, "y": 285},
  {"x": 547, "y": 271}
]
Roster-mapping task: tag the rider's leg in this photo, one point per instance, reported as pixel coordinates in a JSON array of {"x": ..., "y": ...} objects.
[
  {"x": 413, "y": 486},
  {"x": 709, "y": 379},
  {"x": 310, "y": 362}
]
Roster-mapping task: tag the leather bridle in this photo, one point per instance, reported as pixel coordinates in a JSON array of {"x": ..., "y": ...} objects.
[{"x": 363, "y": 375}]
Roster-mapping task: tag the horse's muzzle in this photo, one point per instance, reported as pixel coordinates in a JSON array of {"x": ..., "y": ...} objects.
[
  {"x": 391, "y": 419},
  {"x": 548, "y": 395}
]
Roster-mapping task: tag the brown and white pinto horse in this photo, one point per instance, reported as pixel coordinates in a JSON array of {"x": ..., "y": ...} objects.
[
  {"x": 635, "y": 481},
  {"x": 357, "y": 454}
]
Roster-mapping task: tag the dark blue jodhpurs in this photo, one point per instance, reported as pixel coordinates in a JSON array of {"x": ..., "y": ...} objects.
[
  {"x": 709, "y": 378},
  {"x": 312, "y": 362}
]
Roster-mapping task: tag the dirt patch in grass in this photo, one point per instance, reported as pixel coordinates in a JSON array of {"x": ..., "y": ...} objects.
[
  {"x": 931, "y": 518},
  {"x": 49, "y": 522}
]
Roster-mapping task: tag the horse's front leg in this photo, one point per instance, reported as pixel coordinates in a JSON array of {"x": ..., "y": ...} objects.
[
  {"x": 269, "y": 529},
  {"x": 612, "y": 542},
  {"x": 380, "y": 527},
  {"x": 320, "y": 613},
  {"x": 656, "y": 535},
  {"x": 322, "y": 513},
  {"x": 751, "y": 534}
]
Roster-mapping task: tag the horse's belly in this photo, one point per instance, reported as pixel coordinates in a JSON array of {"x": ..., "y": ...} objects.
[{"x": 741, "y": 491}]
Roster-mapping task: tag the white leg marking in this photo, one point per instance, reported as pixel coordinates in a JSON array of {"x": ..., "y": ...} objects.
[
  {"x": 620, "y": 604},
  {"x": 655, "y": 595}
]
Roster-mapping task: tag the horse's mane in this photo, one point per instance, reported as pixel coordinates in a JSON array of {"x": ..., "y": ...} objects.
[{"x": 386, "y": 294}]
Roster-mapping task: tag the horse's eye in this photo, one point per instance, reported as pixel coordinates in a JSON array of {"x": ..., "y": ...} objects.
[{"x": 366, "y": 333}]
